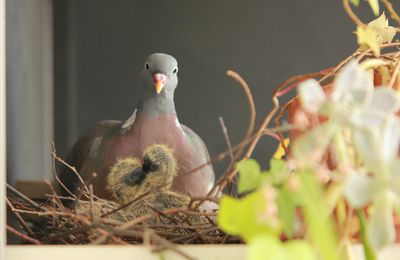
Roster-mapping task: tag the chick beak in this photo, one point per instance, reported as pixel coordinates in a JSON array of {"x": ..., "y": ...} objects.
[{"x": 159, "y": 81}]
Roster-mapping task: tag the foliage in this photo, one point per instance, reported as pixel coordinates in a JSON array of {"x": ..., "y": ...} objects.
[
  {"x": 375, "y": 33},
  {"x": 344, "y": 162},
  {"x": 362, "y": 132}
]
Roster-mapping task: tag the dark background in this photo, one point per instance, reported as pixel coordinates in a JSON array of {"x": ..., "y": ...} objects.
[
  {"x": 72, "y": 63},
  {"x": 100, "y": 48}
]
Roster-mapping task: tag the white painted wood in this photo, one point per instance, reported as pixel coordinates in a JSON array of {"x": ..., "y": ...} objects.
[
  {"x": 207, "y": 252},
  {"x": 2, "y": 129}
]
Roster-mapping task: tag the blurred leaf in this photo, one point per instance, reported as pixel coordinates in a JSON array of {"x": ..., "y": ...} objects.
[
  {"x": 249, "y": 175},
  {"x": 374, "y": 6},
  {"x": 373, "y": 63},
  {"x": 228, "y": 219},
  {"x": 311, "y": 146},
  {"x": 312, "y": 96},
  {"x": 369, "y": 251},
  {"x": 377, "y": 139},
  {"x": 381, "y": 27},
  {"x": 385, "y": 99},
  {"x": 385, "y": 74},
  {"x": 376, "y": 33},
  {"x": 278, "y": 171},
  {"x": 381, "y": 227},
  {"x": 353, "y": 86},
  {"x": 299, "y": 249},
  {"x": 249, "y": 216},
  {"x": 287, "y": 210},
  {"x": 265, "y": 247},
  {"x": 359, "y": 189},
  {"x": 355, "y": 2},
  {"x": 320, "y": 226},
  {"x": 368, "y": 37},
  {"x": 271, "y": 248}
]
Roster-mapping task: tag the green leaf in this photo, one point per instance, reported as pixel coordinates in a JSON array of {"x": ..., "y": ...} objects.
[
  {"x": 355, "y": 2},
  {"x": 287, "y": 210},
  {"x": 271, "y": 248},
  {"x": 369, "y": 251},
  {"x": 299, "y": 250},
  {"x": 368, "y": 37},
  {"x": 249, "y": 175},
  {"x": 249, "y": 216},
  {"x": 381, "y": 26},
  {"x": 320, "y": 226},
  {"x": 374, "y": 6},
  {"x": 278, "y": 172},
  {"x": 265, "y": 247}
]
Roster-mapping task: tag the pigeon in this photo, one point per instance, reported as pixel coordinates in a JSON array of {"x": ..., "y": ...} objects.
[{"x": 154, "y": 121}]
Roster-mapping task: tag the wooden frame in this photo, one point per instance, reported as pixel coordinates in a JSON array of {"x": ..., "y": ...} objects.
[{"x": 2, "y": 128}]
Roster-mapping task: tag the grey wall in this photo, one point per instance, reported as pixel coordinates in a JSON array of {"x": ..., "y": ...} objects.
[
  {"x": 100, "y": 48},
  {"x": 29, "y": 89}
]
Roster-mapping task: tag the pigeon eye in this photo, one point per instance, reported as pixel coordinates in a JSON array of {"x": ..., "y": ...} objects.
[
  {"x": 175, "y": 70},
  {"x": 147, "y": 66}
]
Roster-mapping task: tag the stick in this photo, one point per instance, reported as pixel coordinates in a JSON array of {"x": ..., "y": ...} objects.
[
  {"x": 19, "y": 218},
  {"x": 53, "y": 155},
  {"x": 226, "y": 136},
  {"x": 23, "y": 197},
  {"x": 168, "y": 245},
  {"x": 391, "y": 10},
  {"x": 250, "y": 102},
  {"x": 23, "y": 236},
  {"x": 394, "y": 75}
]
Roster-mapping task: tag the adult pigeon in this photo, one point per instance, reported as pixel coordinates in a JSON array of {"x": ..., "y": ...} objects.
[{"x": 154, "y": 121}]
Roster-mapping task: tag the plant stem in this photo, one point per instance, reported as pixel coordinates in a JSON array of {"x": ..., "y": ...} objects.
[
  {"x": 352, "y": 15},
  {"x": 369, "y": 251}
]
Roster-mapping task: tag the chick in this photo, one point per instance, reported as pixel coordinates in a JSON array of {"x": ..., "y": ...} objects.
[{"x": 128, "y": 179}]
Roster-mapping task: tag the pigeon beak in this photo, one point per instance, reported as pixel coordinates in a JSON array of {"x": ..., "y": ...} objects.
[{"x": 159, "y": 81}]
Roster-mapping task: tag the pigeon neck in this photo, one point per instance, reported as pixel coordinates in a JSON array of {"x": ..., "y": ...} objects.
[{"x": 156, "y": 105}]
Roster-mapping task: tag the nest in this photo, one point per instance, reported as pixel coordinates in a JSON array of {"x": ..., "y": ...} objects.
[{"x": 97, "y": 221}]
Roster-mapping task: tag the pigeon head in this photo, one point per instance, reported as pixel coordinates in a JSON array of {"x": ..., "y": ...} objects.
[
  {"x": 128, "y": 178},
  {"x": 159, "y": 75}
]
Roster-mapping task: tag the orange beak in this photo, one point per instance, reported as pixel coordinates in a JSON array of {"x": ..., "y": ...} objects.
[{"x": 159, "y": 82}]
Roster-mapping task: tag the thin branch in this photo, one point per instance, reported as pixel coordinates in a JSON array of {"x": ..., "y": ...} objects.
[
  {"x": 250, "y": 101},
  {"x": 352, "y": 15},
  {"x": 73, "y": 169},
  {"x": 53, "y": 155},
  {"x": 253, "y": 144},
  {"x": 23, "y": 236},
  {"x": 19, "y": 218},
  {"x": 226, "y": 136},
  {"x": 82, "y": 189},
  {"x": 77, "y": 230},
  {"x": 391, "y": 10},
  {"x": 166, "y": 212},
  {"x": 91, "y": 204},
  {"x": 168, "y": 245},
  {"x": 53, "y": 191},
  {"x": 395, "y": 74},
  {"x": 23, "y": 197}
]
